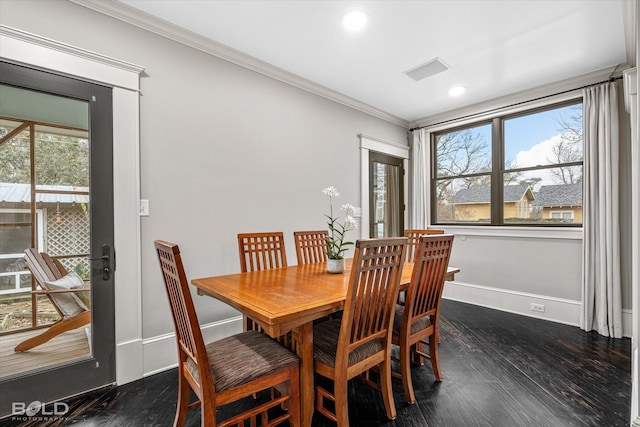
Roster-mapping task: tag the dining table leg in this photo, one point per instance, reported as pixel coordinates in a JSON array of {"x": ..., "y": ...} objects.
[{"x": 303, "y": 339}]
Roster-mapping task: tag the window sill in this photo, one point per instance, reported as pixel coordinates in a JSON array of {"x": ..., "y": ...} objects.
[{"x": 566, "y": 233}]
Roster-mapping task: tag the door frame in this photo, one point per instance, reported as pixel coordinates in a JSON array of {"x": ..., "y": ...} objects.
[
  {"x": 377, "y": 157},
  {"x": 368, "y": 144},
  {"x": 97, "y": 370},
  {"x": 29, "y": 49}
]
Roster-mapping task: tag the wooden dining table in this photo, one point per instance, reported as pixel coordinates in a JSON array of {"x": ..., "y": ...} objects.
[{"x": 289, "y": 299}]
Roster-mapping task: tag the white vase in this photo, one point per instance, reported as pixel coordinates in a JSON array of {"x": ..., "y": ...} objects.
[{"x": 335, "y": 265}]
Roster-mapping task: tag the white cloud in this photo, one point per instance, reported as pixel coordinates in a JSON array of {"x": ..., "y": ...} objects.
[{"x": 538, "y": 155}]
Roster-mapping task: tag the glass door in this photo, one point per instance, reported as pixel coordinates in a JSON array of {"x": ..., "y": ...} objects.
[
  {"x": 56, "y": 196},
  {"x": 386, "y": 195}
]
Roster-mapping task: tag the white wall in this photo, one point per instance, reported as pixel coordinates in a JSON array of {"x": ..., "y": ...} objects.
[{"x": 223, "y": 150}]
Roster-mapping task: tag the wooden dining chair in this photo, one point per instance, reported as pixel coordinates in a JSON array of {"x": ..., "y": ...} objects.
[
  {"x": 229, "y": 369},
  {"x": 361, "y": 340},
  {"x": 414, "y": 236},
  {"x": 311, "y": 246},
  {"x": 417, "y": 320},
  {"x": 61, "y": 289},
  {"x": 260, "y": 251}
]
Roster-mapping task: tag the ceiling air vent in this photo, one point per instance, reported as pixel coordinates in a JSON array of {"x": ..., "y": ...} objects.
[{"x": 427, "y": 69}]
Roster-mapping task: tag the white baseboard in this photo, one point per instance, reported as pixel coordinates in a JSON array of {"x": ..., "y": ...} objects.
[
  {"x": 555, "y": 309},
  {"x": 128, "y": 361},
  {"x": 160, "y": 352}
]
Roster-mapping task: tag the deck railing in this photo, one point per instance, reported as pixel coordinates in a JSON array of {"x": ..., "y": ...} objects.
[{"x": 17, "y": 279}]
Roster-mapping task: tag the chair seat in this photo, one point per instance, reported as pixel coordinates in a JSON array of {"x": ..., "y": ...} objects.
[
  {"x": 325, "y": 343},
  {"x": 418, "y": 325},
  {"x": 242, "y": 358}
]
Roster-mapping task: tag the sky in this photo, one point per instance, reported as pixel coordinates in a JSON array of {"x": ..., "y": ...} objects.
[{"x": 529, "y": 140}]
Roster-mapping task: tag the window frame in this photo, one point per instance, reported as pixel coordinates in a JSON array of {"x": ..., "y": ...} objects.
[{"x": 496, "y": 175}]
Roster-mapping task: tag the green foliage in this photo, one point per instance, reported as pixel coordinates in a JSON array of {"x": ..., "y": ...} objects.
[
  {"x": 336, "y": 246},
  {"x": 14, "y": 159},
  {"x": 59, "y": 159}
]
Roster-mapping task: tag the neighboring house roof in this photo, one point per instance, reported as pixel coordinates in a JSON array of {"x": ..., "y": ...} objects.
[
  {"x": 21, "y": 193},
  {"x": 559, "y": 195},
  {"x": 512, "y": 193}
]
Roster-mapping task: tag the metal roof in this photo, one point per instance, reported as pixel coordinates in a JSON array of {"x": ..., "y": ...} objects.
[{"x": 21, "y": 193}]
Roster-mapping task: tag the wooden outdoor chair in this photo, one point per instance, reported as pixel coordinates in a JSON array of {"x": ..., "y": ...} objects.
[
  {"x": 418, "y": 319},
  {"x": 414, "y": 236},
  {"x": 311, "y": 246},
  {"x": 53, "y": 281},
  {"x": 361, "y": 340},
  {"x": 260, "y": 251},
  {"x": 229, "y": 369}
]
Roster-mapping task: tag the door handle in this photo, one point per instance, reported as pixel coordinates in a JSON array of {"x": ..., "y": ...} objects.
[{"x": 106, "y": 262}]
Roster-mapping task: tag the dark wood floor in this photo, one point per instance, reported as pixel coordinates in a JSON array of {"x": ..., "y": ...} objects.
[{"x": 500, "y": 369}]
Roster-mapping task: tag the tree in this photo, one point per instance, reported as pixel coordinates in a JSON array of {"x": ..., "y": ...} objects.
[
  {"x": 14, "y": 159},
  {"x": 569, "y": 148},
  {"x": 531, "y": 182},
  {"x": 59, "y": 159},
  {"x": 464, "y": 153}
]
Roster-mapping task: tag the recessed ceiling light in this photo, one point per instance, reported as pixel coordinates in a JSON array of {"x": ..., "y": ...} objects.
[
  {"x": 354, "y": 20},
  {"x": 457, "y": 90}
]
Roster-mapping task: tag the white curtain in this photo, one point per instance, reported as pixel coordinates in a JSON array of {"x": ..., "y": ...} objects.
[
  {"x": 392, "y": 211},
  {"x": 419, "y": 214},
  {"x": 601, "y": 287}
]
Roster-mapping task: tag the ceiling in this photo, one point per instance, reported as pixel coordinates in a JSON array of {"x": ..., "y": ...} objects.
[{"x": 493, "y": 48}]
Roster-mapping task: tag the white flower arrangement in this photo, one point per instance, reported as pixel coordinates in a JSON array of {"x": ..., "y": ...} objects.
[{"x": 336, "y": 245}]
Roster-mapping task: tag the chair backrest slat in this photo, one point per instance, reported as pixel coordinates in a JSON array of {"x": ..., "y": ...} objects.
[
  {"x": 311, "y": 246},
  {"x": 373, "y": 290},
  {"x": 414, "y": 236},
  {"x": 427, "y": 282},
  {"x": 42, "y": 267},
  {"x": 261, "y": 251}
]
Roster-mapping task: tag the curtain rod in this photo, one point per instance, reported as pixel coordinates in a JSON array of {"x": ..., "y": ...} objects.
[{"x": 611, "y": 79}]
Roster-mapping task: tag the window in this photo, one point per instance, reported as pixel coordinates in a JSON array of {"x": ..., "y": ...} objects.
[
  {"x": 520, "y": 169},
  {"x": 562, "y": 215}
]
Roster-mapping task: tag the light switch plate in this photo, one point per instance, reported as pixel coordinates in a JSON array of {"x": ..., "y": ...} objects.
[{"x": 144, "y": 207}]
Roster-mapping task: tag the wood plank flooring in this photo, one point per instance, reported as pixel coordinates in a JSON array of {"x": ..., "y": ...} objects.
[
  {"x": 64, "y": 348},
  {"x": 500, "y": 370}
]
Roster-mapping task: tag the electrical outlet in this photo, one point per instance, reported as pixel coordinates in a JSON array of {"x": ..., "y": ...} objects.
[{"x": 537, "y": 307}]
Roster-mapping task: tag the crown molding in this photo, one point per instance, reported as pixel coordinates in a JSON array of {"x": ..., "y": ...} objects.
[{"x": 145, "y": 21}]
